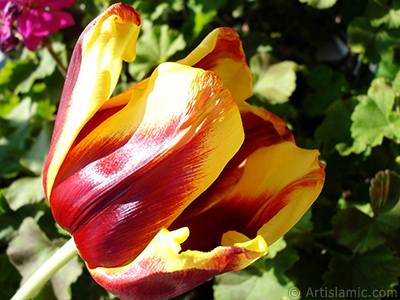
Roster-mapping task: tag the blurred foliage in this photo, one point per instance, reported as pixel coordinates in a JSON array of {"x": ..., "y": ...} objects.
[{"x": 329, "y": 68}]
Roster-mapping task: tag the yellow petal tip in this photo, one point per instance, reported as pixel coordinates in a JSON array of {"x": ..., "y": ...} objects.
[{"x": 237, "y": 239}]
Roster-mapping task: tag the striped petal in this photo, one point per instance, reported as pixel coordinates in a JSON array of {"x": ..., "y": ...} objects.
[
  {"x": 93, "y": 73},
  {"x": 221, "y": 52},
  {"x": 134, "y": 169},
  {"x": 264, "y": 190},
  {"x": 129, "y": 176},
  {"x": 162, "y": 271},
  {"x": 290, "y": 195}
]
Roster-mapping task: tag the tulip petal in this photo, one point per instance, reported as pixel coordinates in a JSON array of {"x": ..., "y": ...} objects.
[
  {"x": 161, "y": 271},
  {"x": 124, "y": 97},
  {"x": 268, "y": 185},
  {"x": 222, "y": 52},
  {"x": 133, "y": 173},
  {"x": 93, "y": 73},
  {"x": 291, "y": 184}
]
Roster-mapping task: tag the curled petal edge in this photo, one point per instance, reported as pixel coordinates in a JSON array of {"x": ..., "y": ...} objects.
[
  {"x": 161, "y": 271},
  {"x": 221, "y": 51}
]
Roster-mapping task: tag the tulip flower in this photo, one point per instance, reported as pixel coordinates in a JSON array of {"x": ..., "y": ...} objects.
[{"x": 177, "y": 179}]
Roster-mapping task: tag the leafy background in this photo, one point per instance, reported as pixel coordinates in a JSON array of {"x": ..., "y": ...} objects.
[{"x": 329, "y": 68}]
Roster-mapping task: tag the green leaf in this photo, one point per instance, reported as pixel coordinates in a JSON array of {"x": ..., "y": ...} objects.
[
  {"x": 384, "y": 14},
  {"x": 9, "y": 277},
  {"x": 394, "y": 18},
  {"x": 273, "y": 82},
  {"x": 396, "y": 85},
  {"x": 201, "y": 19},
  {"x": 358, "y": 231},
  {"x": 22, "y": 112},
  {"x": 305, "y": 223},
  {"x": 391, "y": 213},
  {"x": 8, "y": 101},
  {"x": 276, "y": 247},
  {"x": 25, "y": 191},
  {"x": 373, "y": 44},
  {"x": 387, "y": 69},
  {"x": 373, "y": 118},
  {"x": 31, "y": 248},
  {"x": 203, "y": 12},
  {"x": 35, "y": 158},
  {"x": 384, "y": 191},
  {"x": 20, "y": 75},
  {"x": 334, "y": 131},
  {"x": 264, "y": 279},
  {"x": 376, "y": 270},
  {"x": 54, "y": 86},
  {"x": 45, "y": 67},
  {"x": 45, "y": 110},
  {"x": 11, "y": 220},
  {"x": 207, "y": 6},
  {"x": 155, "y": 46},
  {"x": 17, "y": 130},
  {"x": 328, "y": 86},
  {"x": 15, "y": 73},
  {"x": 320, "y": 4},
  {"x": 153, "y": 10}
]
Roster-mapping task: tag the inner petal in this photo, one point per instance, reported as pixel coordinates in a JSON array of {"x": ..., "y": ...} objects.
[{"x": 267, "y": 181}]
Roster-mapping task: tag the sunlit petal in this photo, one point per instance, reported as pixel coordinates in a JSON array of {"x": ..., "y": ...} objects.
[
  {"x": 221, "y": 52},
  {"x": 135, "y": 172},
  {"x": 93, "y": 73},
  {"x": 162, "y": 271}
]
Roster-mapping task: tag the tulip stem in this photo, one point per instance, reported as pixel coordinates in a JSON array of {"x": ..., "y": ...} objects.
[{"x": 46, "y": 271}]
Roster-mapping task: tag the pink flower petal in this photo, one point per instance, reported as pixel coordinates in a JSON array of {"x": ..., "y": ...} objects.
[
  {"x": 32, "y": 42},
  {"x": 57, "y": 20},
  {"x": 19, "y": 2},
  {"x": 37, "y": 23},
  {"x": 25, "y": 24},
  {"x": 43, "y": 22},
  {"x": 3, "y": 4},
  {"x": 55, "y": 4}
]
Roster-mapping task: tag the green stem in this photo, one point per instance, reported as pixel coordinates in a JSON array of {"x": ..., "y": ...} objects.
[
  {"x": 46, "y": 271},
  {"x": 47, "y": 42}
]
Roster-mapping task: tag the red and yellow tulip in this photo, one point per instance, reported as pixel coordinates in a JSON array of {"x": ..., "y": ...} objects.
[{"x": 177, "y": 179}]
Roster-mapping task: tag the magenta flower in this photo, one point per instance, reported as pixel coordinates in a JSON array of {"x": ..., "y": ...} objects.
[
  {"x": 9, "y": 13},
  {"x": 40, "y": 18}
]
